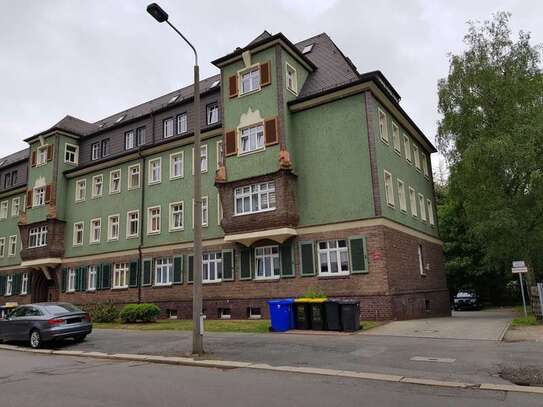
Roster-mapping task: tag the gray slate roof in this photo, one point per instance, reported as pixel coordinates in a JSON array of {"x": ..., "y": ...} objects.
[{"x": 14, "y": 158}]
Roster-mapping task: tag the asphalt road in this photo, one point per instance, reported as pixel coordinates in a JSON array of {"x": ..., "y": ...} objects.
[{"x": 50, "y": 381}]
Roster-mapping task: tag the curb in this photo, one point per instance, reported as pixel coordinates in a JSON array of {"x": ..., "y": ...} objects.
[{"x": 224, "y": 364}]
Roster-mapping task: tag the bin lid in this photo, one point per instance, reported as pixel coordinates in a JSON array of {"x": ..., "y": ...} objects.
[
  {"x": 313, "y": 300},
  {"x": 346, "y": 301},
  {"x": 281, "y": 301}
]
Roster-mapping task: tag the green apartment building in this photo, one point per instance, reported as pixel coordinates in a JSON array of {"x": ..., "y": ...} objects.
[{"x": 314, "y": 177}]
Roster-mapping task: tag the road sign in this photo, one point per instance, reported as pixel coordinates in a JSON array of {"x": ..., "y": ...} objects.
[
  {"x": 519, "y": 264},
  {"x": 519, "y": 270}
]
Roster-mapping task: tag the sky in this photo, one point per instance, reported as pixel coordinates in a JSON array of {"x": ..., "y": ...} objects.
[{"x": 91, "y": 59}]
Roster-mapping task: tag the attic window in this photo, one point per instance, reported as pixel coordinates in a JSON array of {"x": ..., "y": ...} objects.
[
  {"x": 101, "y": 125},
  {"x": 173, "y": 99},
  {"x": 215, "y": 83},
  {"x": 120, "y": 118},
  {"x": 307, "y": 49}
]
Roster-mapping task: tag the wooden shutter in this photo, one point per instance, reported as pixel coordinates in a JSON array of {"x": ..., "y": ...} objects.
[
  {"x": 99, "y": 276},
  {"x": 228, "y": 265},
  {"x": 190, "y": 277},
  {"x": 133, "y": 277},
  {"x": 245, "y": 263},
  {"x": 178, "y": 269},
  {"x": 307, "y": 258},
  {"x": 33, "y": 159},
  {"x": 358, "y": 254},
  {"x": 29, "y": 284},
  {"x": 78, "y": 279},
  {"x": 147, "y": 265},
  {"x": 84, "y": 278},
  {"x": 233, "y": 86},
  {"x": 265, "y": 74},
  {"x": 63, "y": 276},
  {"x": 48, "y": 191},
  {"x": 270, "y": 131},
  {"x": 29, "y": 199},
  {"x": 230, "y": 143},
  {"x": 287, "y": 263},
  {"x": 16, "y": 284},
  {"x": 106, "y": 276},
  {"x": 49, "y": 152}
]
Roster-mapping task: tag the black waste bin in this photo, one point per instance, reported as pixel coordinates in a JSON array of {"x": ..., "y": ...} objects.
[
  {"x": 318, "y": 317},
  {"x": 333, "y": 315},
  {"x": 350, "y": 315},
  {"x": 302, "y": 315}
]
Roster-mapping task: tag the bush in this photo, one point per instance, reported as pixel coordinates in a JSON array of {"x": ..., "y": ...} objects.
[
  {"x": 106, "y": 312},
  {"x": 139, "y": 313},
  {"x": 314, "y": 292}
]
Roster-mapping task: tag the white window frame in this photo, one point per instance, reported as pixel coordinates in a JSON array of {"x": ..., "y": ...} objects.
[
  {"x": 4, "y": 209},
  {"x": 24, "y": 284},
  {"x": 150, "y": 179},
  {"x": 389, "y": 189},
  {"x": 111, "y": 235},
  {"x": 174, "y": 228},
  {"x": 220, "y": 213},
  {"x": 40, "y": 235},
  {"x": 422, "y": 205},
  {"x": 417, "y": 157},
  {"x": 150, "y": 216},
  {"x": 111, "y": 179},
  {"x": 219, "y": 152},
  {"x": 205, "y": 211},
  {"x": 254, "y": 131},
  {"x": 9, "y": 285},
  {"x": 129, "y": 140},
  {"x": 264, "y": 256},
  {"x": 120, "y": 275},
  {"x": 422, "y": 270},
  {"x": 383, "y": 127},
  {"x": 173, "y": 156},
  {"x": 128, "y": 224},
  {"x": 74, "y": 153},
  {"x": 204, "y": 162},
  {"x": 182, "y": 125},
  {"x": 430, "y": 206},
  {"x": 413, "y": 202},
  {"x": 396, "y": 141},
  {"x": 167, "y": 128},
  {"x": 92, "y": 276},
  {"x": 41, "y": 155},
  {"x": 253, "y": 73},
  {"x": 211, "y": 116},
  {"x": 140, "y": 136},
  {"x": 163, "y": 271},
  {"x": 76, "y": 231},
  {"x": 407, "y": 148},
  {"x": 12, "y": 246},
  {"x": 94, "y": 192},
  {"x": 425, "y": 166},
  {"x": 291, "y": 71},
  {"x": 38, "y": 196},
  {"x": 401, "y": 196},
  {"x": 212, "y": 260},
  {"x": 81, "y": 185},
  {"x": 96, "y": 151},
  {"x": 329, "y": 252},
  {"x": 2, "y": 246},
  {"x": 95, "y": 224},
  {"x": 269, "y": 192},
  {"x": 70, "y": 280},
  {"x": 15, "y": 206},
  {"x": 131, "y": 186}
]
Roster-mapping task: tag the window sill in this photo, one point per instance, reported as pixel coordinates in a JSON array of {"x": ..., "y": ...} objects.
[
  {"x": 162, "y": 285},
  {"x": 177, "y": 177},
  {"x": 333, "y": 277},
  {"x": 132, "y": 237},
  {"x": 114, "y": 192},
  {"x": 120, "y": 288},
  {"x": 211, "y": 282},
  {"x": 245, "y": 153},
  {"x": 249, "y": 92},
  {"x": 294, "y": 92},
  {"x": 133, "y": 188},
  {"x": 267, "y": 279},
  {"x": 153, "y": 233},
  {"x": 94, "y": 243},
  {"x": 96, "y": 196},
  {"x": 254, "y": 213},
  {"x": 113, "y": 240},
  {"x": 176, "y": 230},
  {"x": 154, "y": 183}
]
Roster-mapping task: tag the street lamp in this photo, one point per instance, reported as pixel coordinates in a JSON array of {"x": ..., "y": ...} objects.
[{"x": 197, "y": 318}]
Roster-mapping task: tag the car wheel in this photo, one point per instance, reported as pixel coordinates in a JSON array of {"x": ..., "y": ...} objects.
[
  {"x": 80, "y": 338},
  {"x": 35, "y": 339}
]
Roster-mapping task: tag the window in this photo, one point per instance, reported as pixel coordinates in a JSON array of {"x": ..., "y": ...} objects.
[
  {"x": 132, "y": 224},
  {"x": 425, "y": 165},
  {"x": 163, "y": 271},
  {"x": 105, "y": 147},
  {"x": 401, "y": 196},
  {"x": 212, "y": 267},
  {"x": 7, "y": 180},
  {"x": 9, "y": 285},
  {"x": 407, "y": 147},
  {"x": 176, "y": 165},
  {"x": 413, "y": 202},
  {"x": 120, "y": 118},
  {"x": 255, "y": 198},
  {"x": 219, "y": 210},
  {"x": 422, "y": 207},
  {"x": 267, "y": 262},
  {"x": 120, "y": 275},
  {"x": 134, "y": 176},
  {"x": 182, "y": 123},
  {"x": 96, "y": 230},
  {"x": 333, "y": 258},
  {"x": 91, "y": 283},
  {"x": 42, "y": 155},
  {"x": 153, "y": 222},
  {"x": 113, "y": 227},
  {"x": 71, "y": 154},
  {"x": 396, "y": 138},
  {"x": 251, "y": 139},
  {"x": 15, "y": 206},
  {"x": 140, "y": 136},
  {"x": 167, "y": 127},
  {"x": 421, "y": 261},
  {"x": 203, "y": 159},
  {"x": 37, "y": 237},
  {"x": 307, "y": 49},
  {"x": 383, "y": 131},
  {"x": 39, "y": 196},
  {"x": 70, "y": 283},
  {"x": 155, "y": 171},
  {"x": 220, "y": 153},
  {"x": 212, "y": 113},
  {"x": 24, "y": 284},
  {"x": 225, "y": 313},
  {"x": 115, "y": 182},
  {"x": 129, "y": 140},
  {"x": 97, "y": 185},
  {"x": 430, "y": 212},
  {"x": 205, "y": 211},
  {"x": 250, "y": 81},
  {"x": 78, "y": 234},
  {"x": 176, "y": 216},
  {"x": 95, "y": 151},
  {"x": 417, "y": 157},
  {"x": 2, "y": 246},
  {"x": 4, "y": 209},
  {"x": 292, "y": 83},
  {"x": 80, "y": 190},
  {"x": 12, "y": 249},
  {"x": 389, "y": 189}
]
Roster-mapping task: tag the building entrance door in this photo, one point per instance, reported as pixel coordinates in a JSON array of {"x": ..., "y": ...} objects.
[{"x": 40, "y": 287}]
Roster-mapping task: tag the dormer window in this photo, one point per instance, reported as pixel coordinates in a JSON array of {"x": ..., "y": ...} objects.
[
  {"x": 250, "y": 81},
  {"x": 212, "y": 113},
  {"x": 120, "y": 119},
  {"x": 173, "y": 99},
  {"x": 307, "y": 49},
  {"x": 42, "y": 155},
  {"x": 71, "y": 153},
  {"x": 292, "y": 83}
]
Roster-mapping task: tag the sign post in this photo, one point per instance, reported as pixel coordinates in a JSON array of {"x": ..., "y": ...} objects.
[{"x": 519, "y": 268}]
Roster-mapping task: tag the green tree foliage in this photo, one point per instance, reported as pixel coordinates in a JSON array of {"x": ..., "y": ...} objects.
[{"x": 492, "y": 135}]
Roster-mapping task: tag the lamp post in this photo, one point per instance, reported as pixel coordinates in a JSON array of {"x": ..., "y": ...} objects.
[{"x": 197, "y": 319}]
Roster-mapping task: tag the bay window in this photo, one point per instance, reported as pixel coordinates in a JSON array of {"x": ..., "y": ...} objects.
[
  {"x": 37, "y": 237},
  {"x": 254, "y": 198}
]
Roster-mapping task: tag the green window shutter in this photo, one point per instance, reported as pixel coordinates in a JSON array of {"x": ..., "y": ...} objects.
[
  {"x": 106, "y": 276},
  {"x": 287, "y": 261},
  {"x": 190, "y": 278},
  {"x": 16, "y": 284},
  {"x": 147, "y": 264},
  {"x": 63, "y": 277},
  {"x": 2, "y": 285},
  {"x": 358, "y": 254},
  {"x": 133, "y": 274},
  {"x": 228, "y": 265},
  {"x": 99, "y": 276},
  {"x": 307, "y": 258},
  {"x": 245, "y": 263},
  {"x": 178, "y": 269},
  {"x": 79, "y": 279},
  {"x": 84, "y": 278},
  {"x": 29, "y": 286}
]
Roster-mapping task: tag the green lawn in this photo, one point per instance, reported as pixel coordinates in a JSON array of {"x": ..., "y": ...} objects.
[{"x": 521, "y": 320}]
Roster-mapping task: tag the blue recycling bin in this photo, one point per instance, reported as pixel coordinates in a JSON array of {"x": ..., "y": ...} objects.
[{"x": 281, "y": 314}]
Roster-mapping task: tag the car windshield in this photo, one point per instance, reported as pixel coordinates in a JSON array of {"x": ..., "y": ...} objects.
[
  {"x": 57, "y": 309},
  {"x": 464, "y": 295}
]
